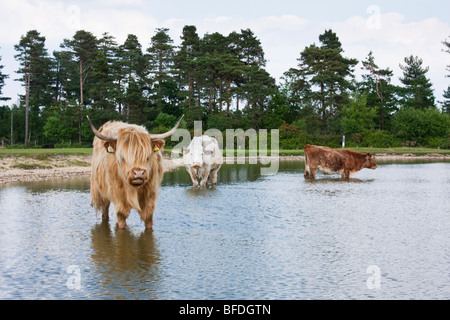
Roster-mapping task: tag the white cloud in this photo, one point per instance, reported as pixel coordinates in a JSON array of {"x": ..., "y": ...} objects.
[
  {"x": 282, "y": 23},
  {"x": 394, "y": 39},
  {"x": 126, "y": 3},
  {"x": 219, "y": 19},
  {"x": 57, "y": 20},
  {"x": 120, "y": 23},
  {"x": 389, "y": 35},
  {"x": 19, "y": 16}
]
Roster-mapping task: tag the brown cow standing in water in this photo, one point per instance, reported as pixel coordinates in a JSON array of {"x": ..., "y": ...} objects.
[
  {"x": 331, "y": 161},
  {"x": 126, "y": 170}
]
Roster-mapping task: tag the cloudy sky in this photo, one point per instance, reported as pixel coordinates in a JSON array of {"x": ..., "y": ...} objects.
[{"x": 391, "y": 29}]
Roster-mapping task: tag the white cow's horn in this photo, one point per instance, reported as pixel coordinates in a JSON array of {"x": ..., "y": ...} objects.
[
  {"x": 101, "y": 135},
  {"x": 168, "y": 133}
]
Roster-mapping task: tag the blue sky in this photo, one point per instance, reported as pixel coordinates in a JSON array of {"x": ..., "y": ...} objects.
[
  {"x": 391, "y": 29},
  {"x": 314, "y": 10}
]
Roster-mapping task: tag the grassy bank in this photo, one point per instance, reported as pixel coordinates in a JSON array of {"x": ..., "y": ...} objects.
[
  {"x": 398, "y": 151},
  {"x": 61, "y": 151},
  {"x": 402, "y": 150}
]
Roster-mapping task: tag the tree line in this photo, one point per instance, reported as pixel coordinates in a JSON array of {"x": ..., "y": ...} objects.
[{"x": 222, "y": 81}]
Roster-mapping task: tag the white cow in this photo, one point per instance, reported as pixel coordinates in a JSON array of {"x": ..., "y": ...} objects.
[{"x": 202, "y": 159}]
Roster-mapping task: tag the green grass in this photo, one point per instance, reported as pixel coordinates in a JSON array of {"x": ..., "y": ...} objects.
[
  {"x": 268, "y": 153},
  {"x": 45, "y": 152},
  {"x": 30, "y": 166},
  {"x": 78, "y": 163},
  {"x": 402, "y": 150}
]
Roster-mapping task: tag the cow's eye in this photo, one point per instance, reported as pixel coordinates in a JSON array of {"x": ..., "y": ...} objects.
[{"x": 208, "y": 152}]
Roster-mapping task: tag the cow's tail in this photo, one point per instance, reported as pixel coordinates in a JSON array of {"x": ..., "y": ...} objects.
[
  {"x": 305, "y": 151},
  {"x": 307, "y": 173}
]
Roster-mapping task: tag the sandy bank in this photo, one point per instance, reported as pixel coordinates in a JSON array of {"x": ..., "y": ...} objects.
[
  {"x": 24, "y": 169},
  {"x": 15, "y": 168}
]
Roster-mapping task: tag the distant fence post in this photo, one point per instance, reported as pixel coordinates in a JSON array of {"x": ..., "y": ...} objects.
[{"x": 343, "y": 141}]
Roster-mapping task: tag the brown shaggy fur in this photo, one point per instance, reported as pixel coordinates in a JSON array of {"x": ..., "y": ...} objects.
[{"x": 112, "y": 175}]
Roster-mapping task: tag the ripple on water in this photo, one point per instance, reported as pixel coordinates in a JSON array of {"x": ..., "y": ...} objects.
[{"x": 253, "y": 237}]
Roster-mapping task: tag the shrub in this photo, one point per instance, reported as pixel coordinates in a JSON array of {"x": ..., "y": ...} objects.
[
  {"x": 291, "y": 137},
  {"x": 422, "y": 126},
  {"x": 379, "y": 139}
]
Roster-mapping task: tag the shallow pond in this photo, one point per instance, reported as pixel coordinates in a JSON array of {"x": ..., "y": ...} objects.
[{"x": 382, "y": 235}]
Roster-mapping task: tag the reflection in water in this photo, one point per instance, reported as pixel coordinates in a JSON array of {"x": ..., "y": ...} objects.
[
  {"x": 228, "y": 174},
  {"x": 253, "y": 237},
  {"x": 125, "y": 261},
  {"x": 337, "y": 179},
  {"x": 75, "y": 184}
]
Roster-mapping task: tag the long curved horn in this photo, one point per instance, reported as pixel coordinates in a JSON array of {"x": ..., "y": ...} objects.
[
  {"x": 168, "y": 133},
  {"x": 101, "y": 135}
]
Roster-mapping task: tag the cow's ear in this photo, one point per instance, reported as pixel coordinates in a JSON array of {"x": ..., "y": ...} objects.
[
  {"x": 369, "y": 155},
  {"x": 110, "y": 146},
  {"x": 157, "y": 144}
]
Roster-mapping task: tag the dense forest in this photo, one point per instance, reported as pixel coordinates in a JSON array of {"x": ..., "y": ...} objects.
[{"x": 221, "y": 80}]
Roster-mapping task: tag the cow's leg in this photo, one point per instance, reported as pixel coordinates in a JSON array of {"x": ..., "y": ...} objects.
[
  {"x": 310, "y": 173},
  {"x": 193, "y": 176},
  {"x": 204, "y": 177},
  {"x": 213, "y": 176},
  {"x": 105, "y": 211},
  {"x": 346, "y": 174},
  {"x": 100, "y": 203},
  {"x": 307, "y": 174},
  {"x": 122, "y": 219},
  {"x": 149, "y": 222},
  {"x": 147, "y": 214}
]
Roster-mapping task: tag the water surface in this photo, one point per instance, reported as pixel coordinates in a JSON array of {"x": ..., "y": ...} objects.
[{"x": 253, "y": 237}]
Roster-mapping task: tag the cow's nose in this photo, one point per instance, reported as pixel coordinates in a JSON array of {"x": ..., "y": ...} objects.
[
  {"x": 138, "y": 173},
  {"x": 196, "y": 165}
]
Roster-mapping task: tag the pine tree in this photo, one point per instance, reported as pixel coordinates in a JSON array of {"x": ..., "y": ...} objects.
[
  {"x": 160, "y": 53},
  {"x": 446, "y": 95},
  {"x": 83, "y": 48},
  {"x": 446, "y": 102},
  {"x": 380, "y": 92},
  {"x": 35, "y": 66},
  {"x": 2, "y": 82},
  {"x": 417, "y": 92},
  {"x": 248, "y": 49},
  {"x": 101, "y": 89},
  {"x": 259, "y": 87},
  {"x": 185, "y": 62},
  {"x": 329, "y": 74},
  {"x": 130, "y": 69},
  {"x": 134, "y": 66}
]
